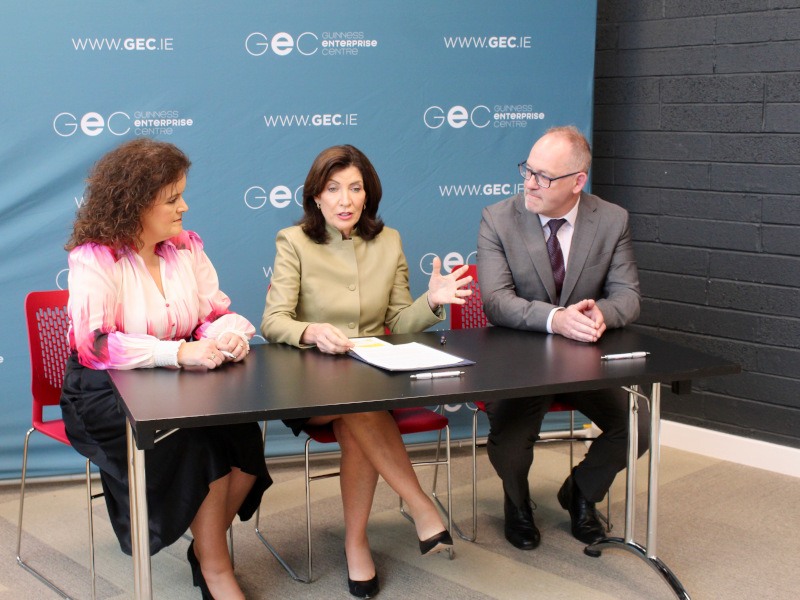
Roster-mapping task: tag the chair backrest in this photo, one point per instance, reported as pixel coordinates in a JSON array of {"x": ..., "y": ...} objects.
[
  {"x": 470, "y": 314},
  {"x": 46, "y": 316}
]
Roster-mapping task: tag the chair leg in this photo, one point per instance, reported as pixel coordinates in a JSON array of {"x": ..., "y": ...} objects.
[
  {"x": 474, "y": 478},
  {"x": 91, "y": 526},
  {"x": 450, "y": 552},
  {"x": 308, "y": 510},
  {"x": 474, "y": 535},
  {"x": 436, "y": 460},
  {"x": 572, "y": 442},
  {"x": 230, "y": 545},
  {"x": 436, "y": 463},
  {"x": 292, "y": 573},
  {"x": 20, "y": 560},
  {"x": 22, "y": 492}
]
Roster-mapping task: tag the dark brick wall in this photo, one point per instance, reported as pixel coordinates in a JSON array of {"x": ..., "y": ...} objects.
[{"x": 697, "y": 134}]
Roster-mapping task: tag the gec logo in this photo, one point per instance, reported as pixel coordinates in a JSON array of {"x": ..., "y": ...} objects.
[
  {"x": 66, "y": 124},
  {"x": 257, "y": 44},
  {"x": 280, "y": 196},
  {"x": 457, "y": 117},
  {"x": 450, "y": 260}
]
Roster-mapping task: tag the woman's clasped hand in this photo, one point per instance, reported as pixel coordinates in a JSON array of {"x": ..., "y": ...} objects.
[{"x": 211, "y": 353}]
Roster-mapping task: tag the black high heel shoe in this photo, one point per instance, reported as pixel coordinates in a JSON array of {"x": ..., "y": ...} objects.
[
  {"x": 436, "y": 543},
  {"x": 362, "y": 589},
  {"x": 197, "y": 574}
]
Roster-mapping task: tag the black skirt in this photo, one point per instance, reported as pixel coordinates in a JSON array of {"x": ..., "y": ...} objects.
[
  {"x": 296, "y": 425},
  {"x": 179, "y": 468}
]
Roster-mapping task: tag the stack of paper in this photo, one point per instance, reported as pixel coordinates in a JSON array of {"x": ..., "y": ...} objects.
[{"x": 403, "y": 357}]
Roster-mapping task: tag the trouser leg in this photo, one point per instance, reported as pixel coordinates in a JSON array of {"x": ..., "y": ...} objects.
[
  {"x": 608, "y": 454},
  {"x": 513, "y": 428}
]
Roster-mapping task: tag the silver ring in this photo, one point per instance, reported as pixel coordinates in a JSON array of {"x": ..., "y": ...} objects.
[{"x": 213, "y": 356}]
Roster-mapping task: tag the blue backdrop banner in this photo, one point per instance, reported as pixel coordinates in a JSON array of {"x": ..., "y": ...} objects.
[{"x": 444, "y": 97}]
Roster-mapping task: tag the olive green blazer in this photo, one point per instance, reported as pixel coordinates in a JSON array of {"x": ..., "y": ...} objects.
[{"x": 360, "y": 287}]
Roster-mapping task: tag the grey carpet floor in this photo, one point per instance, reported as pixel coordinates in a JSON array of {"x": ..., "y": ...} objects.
[{"x": 727, "y": 531}]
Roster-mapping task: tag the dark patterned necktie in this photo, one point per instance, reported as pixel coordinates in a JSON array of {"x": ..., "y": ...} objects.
[{"x": 554, "y": 251}]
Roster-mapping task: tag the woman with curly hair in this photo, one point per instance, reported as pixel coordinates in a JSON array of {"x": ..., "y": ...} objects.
[{"x": 143, "y": 294}]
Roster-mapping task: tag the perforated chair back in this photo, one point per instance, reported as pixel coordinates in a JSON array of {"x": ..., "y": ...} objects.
[
  {"x": 48, "y": 322},
  {"x": 470, "y": 314},
  {"x": 48, "y": 325}
]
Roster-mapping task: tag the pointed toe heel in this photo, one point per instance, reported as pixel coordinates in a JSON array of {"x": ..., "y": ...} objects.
[
  {"x": 364, "y": 589},
  {"x": 436, "y": 543}
]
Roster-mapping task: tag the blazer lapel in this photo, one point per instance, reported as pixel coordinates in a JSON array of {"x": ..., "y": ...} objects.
[
  {"x": 529, "y": 229},
  {"x": 586, "y": 225}
]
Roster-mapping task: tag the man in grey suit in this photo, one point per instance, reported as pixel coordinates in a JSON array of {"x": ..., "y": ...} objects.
[{"x": 576, "y": 282}]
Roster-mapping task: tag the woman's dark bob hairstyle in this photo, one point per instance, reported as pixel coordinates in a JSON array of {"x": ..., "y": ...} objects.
[{"x": 327, "y": 163}]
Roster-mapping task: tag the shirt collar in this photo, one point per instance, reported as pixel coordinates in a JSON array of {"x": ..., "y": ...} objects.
[{"x": 571, "y": 216}]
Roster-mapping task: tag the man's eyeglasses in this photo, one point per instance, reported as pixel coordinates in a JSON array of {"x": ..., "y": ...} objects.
[{"x": 543, "y": 181}]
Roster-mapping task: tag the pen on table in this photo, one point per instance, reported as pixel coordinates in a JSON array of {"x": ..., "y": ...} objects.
[
  {"x": 624, "y": 355},
  {"x": 437, "y": 375}
]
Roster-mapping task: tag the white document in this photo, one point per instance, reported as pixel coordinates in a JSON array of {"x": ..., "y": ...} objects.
[{"x": 403, "y": 357}]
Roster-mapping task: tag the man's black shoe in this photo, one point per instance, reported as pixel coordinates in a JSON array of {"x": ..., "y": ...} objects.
[
  {"x": 586, "y": 525},
  {"x": 520, "y": 529}
]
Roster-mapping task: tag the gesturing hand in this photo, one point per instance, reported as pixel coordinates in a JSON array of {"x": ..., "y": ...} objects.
[
  {"x": 328, "y": 338},
  {"x": 582, "y": 321},
  {"x": 446, "y": 289}
]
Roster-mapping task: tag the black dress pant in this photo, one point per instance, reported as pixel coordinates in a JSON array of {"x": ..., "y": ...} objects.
[{"x": 514, "y": 427}]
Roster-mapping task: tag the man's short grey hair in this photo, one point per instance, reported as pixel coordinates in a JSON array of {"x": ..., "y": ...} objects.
[{"x": 581, "y": 151}]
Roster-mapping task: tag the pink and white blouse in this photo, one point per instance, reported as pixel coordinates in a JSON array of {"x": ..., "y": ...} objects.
[{"x": 120, "y": 320}]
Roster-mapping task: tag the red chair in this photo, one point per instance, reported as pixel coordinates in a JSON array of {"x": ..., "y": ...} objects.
[
  {"x": 409, "y": 420},
  {"x": 47, "y": 321},
  {"x": 470, "y": 315}
]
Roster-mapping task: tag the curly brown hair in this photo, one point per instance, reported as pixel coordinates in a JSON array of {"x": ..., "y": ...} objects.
[
  {"x": 121, "y": 187},
  {"x": 330, "y": 161}
]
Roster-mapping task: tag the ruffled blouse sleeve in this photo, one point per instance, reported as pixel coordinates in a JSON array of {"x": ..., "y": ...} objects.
[{"x": 214, "y": 318}]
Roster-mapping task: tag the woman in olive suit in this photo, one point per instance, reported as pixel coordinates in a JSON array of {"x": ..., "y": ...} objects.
[{"x": 340, "y": 273}]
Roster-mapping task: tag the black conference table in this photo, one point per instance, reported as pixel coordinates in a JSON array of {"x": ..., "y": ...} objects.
[{"x": 278, "y": 382}]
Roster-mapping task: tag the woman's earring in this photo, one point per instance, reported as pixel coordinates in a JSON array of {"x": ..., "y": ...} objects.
[{"x": 318, "y": 207}]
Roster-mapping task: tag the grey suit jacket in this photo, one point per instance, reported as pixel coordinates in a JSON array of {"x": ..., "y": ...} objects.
[{"x": 516, "y": 279}]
